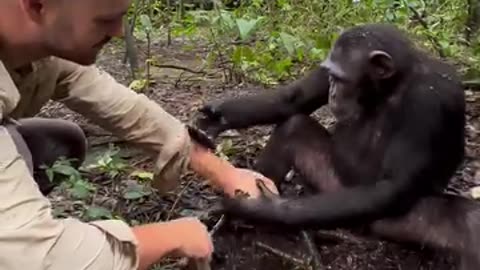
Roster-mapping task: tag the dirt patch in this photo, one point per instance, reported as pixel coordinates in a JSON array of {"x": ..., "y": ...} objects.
[{"x": 241, "y": 247}]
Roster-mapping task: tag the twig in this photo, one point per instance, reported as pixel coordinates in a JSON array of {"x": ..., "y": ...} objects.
[
  {"x": 338, "y": 236},
  {"x": 178, "y": 67},
  {"x": 177, "y": 200},
  {"x": 313, "y": 251},
  {"x": 218, "y": 225},
  {"x": 280, "y": 253},
  {"x": 140, "y": 161}
]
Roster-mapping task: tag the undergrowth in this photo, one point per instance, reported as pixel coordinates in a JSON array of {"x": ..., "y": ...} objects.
[{"x": 276, "y": 40}]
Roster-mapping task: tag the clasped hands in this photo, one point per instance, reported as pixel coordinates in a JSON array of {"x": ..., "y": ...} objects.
[{"x": 245, "y": 183}]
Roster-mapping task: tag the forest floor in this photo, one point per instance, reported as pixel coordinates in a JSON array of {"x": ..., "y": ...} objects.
[{"x": 236, "y": 246}]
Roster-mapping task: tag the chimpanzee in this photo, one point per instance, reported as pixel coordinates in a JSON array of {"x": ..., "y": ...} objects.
[{"x": 397, "y": 141}]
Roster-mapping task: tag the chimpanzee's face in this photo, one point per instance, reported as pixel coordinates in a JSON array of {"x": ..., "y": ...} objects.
[
  {"x": 345, "y": 78},
  {"x": 353, "y": 74}
]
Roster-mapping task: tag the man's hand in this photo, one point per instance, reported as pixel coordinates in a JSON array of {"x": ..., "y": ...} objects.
[
  {"x": 225, "y": 176},
  {"x": 245, "y": 180},
  {"x": 193, "y": 238},
  {"x": 183, "y": 237}
]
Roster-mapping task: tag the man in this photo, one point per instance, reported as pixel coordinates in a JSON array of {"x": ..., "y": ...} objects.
[{"x": 46, "y": 51}]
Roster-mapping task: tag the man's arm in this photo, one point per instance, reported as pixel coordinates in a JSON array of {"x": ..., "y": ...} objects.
[{"x": 136, "y": 118}]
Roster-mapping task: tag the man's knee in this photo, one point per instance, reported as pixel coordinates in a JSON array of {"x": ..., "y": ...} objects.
[
  {"x": 51, "y": 139},
  {"x": 48, "y": 140}
]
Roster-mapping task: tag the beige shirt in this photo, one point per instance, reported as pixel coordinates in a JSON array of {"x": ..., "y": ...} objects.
[{"x": 97, "y": 96}]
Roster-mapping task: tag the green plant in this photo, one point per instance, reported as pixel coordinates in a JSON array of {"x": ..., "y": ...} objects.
[
  {"x": 110, "y": 162},
  {"x": 269, "y": 41},
  {"x": 63, "y": 172}
]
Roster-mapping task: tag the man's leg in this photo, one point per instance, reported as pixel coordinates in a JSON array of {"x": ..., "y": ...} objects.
[
  {"x": 31, "y": 238},
  {"x": 29, "y": 229},
  {"x": 48, "y": 140}
]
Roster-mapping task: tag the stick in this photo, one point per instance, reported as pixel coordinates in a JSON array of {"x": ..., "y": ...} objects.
[
  {"x": 177, "y": 200},
  {"x": 179, "y": 67},
  {"x": 217, "y": 226},
  {"x": 338, "y": 236},
  {"x": 316, "y": 262},
  {"x": 280, "y": 253}
]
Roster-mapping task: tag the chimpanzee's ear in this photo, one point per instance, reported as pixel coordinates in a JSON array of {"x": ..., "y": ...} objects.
[{"x": 381, "y": 65}]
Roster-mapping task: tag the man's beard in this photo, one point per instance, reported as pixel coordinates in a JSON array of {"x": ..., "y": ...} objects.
[{"x": 86, "y": 57}]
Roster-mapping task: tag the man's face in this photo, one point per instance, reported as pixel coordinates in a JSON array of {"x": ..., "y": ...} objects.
[{"x": 77, "y": 30}]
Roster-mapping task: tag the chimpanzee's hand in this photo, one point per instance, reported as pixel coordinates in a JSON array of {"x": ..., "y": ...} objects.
[
  {"x": 257, "y": 207},
  {"x": 211, "y": 119}
]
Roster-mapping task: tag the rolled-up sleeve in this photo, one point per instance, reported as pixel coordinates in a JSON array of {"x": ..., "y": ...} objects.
[{"x": 129, "y": 115}]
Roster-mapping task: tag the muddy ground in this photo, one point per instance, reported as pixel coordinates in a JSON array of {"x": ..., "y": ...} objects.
[{"x": 238, "y": 246}]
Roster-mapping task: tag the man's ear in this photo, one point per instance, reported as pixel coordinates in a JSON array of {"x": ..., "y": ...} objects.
[
  {"x": 381, "y": 65},
  {"x": 34, "y": 9}
]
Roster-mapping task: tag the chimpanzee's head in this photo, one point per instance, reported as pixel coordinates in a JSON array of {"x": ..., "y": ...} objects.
[{"x": 361, "y": 66}]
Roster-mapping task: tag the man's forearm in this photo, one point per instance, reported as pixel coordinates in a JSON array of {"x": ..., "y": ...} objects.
[{"x": 211, "y": 167}]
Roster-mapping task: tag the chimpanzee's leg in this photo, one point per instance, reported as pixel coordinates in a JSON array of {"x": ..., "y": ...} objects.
[
  {"x": 48, "y": 140},
  {"x": 439, "y": 221},
  {"x": 302, "y": 144}
]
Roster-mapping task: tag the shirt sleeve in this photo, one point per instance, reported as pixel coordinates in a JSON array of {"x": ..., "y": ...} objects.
[
  {"x": 9, "y": 95},
  {"x": 129, "y": 115}
]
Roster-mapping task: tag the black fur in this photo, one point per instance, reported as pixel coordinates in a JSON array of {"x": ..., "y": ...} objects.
[{"x": 398, "y": 142}]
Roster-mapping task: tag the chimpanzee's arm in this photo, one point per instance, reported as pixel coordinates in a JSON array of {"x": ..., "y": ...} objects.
[
  {"x": 302, "y": 96},
  {"x": 406, "y": 170}
]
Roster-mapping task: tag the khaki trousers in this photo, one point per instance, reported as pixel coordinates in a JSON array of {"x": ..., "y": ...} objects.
[{"x": 31, "y": 238}]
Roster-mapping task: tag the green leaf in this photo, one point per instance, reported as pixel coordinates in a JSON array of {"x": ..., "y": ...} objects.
[
  {"x": 142, "y": 175},
  {"x": 146, "y": 23},
  {"x": 245, "y": 27},
  {"x": 138, "y": 85},
  {"x": 133, "y": 195},
  {"x": 228, "y": 19},
  {"x": 96, "y": 212},
  {"x": 317, "y": 54},
  {"x": 288, "y": 42},
  {"x": 242, "y": 54},
  {"x": 65, "y": 170},
  {"x": 50, "y": 174},
  {"x": 81, "y": 189},
  {"x": 282, "y": 66},
  {"x": 135, "y": 191}
]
